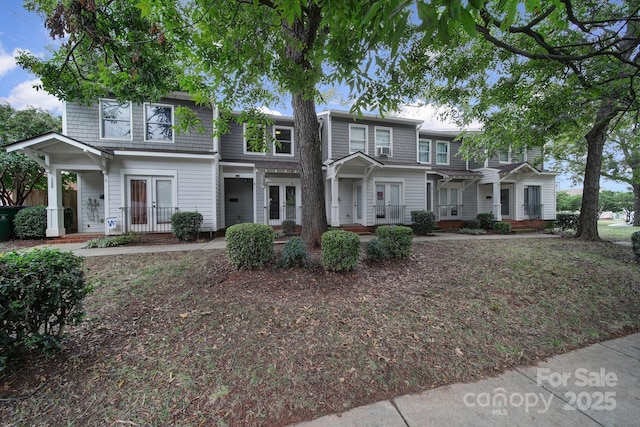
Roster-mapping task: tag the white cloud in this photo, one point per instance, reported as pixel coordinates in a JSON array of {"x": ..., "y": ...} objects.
[
  {"x": 269, "y": 111},
  {"x": 432, "y": 116},
  {"x": 24, "y": 95},
  {"x": 7, "y": 61}
]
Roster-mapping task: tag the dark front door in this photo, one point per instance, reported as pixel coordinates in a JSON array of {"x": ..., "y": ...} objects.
[{"x": 505, "y": 202}]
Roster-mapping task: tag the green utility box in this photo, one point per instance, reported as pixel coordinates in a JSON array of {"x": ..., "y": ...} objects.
[{"x": 7, "y": 214}]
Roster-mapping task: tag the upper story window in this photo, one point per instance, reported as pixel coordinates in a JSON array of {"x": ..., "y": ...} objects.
[
  {"x": 283, "y": 135},
  {"x": 519, "y": 155},
  {"x": 503, "y": 157},
  {"x": 358, "y": 138},
  {"x": 384, "y": 141},
  {"x": 254, "y": 139},
  {"x": 159, "y": 122},
  {"x": 442, "y": 152},
  {"x": 115, "y": 119},
  {"x": 424, "y": 150}
]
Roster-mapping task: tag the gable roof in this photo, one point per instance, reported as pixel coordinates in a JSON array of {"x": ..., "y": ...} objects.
[
  {"x": 354, "y": 157},
  {"x": 517, "y": 167}
]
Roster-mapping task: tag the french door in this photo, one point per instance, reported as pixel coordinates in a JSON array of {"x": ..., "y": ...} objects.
[
  {"x": 389, "y": 208},
  {"x": 151, "y": 203},
  {"x": 284, "y": 202},
  {"x": 450, "y": 207}
]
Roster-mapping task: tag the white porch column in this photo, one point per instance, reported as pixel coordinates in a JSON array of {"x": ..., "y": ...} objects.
[
  {"x": 497, "y": 206},
  {"x": 55, "y": 210},
  {"x": 335, "y": 204}
]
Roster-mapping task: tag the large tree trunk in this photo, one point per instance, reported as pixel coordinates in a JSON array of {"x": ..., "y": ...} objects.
[
  {"x": 588, "y": 228},
  {"x": 636, "y": 204},
  {"x": 303, "y": 32},
  {"x": 314, "y": 214}
]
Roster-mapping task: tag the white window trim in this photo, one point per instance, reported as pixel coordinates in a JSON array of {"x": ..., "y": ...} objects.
[
  {"x": 508, "y": 153},
  {"x": 101, "y": 119},
  {"x": 375, "y": 135},
  {"x": 418, "y": 150},
  {"x": 275, "y": 153},
  {"x": 144, "y": 118},
  {"x": 244, "y": 144},
  {"x": 389, "y": 181},
  {"x": 448, "y": 152},
  {"x": 366, "y": 137}
]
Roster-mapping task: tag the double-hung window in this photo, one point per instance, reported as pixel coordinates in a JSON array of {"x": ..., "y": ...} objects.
[
  {"x": 115, "y": 119},
  {"x": 254, "y": 139},
  {"x": 442, "y": 152},
  {"x": 283, "y": 140},
  {"x": 384, "y": 141},
  {"x": 358, "y": 138},
  {"x": 503, "y": 157},
  {"x": 424, "y": 150},
  {"x": 159, "y": 123}
]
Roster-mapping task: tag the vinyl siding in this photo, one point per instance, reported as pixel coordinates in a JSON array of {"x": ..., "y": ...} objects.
[{"x": 83, "y": 124}]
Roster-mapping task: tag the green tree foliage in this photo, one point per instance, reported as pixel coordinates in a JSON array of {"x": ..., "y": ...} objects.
[
  {"x": 565, "y": 202},
  {"x": 19, "y": 174},
  {"x": 240, "y": 54},
  {"x": 536, "y": 72},
  {"x": 617, "y": 201}
]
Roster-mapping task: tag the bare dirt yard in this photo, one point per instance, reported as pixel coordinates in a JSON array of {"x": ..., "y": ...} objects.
[{"x": 183, "y": 339}]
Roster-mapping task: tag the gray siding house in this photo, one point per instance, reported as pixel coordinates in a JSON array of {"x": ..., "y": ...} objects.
[{"x": 134, "y": 171}]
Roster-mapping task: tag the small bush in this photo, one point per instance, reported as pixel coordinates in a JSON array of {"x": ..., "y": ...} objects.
[
  {"x": 340, "y": 250},
  {"x": 289, "y": 227},
  {"x": 375, "y": 251},
  {"x": 486, "y": 220},
  {"x": 502, "y": 227},
  {"x": 111, "y": 241},
  {"x": 472, "y": 231},
  {"x": 472, "y": 224},
  {"x": 186, "y": 225},
  {"x": 295, "y": 253},
  {"x": 567, "y": 221},
  {"x": 40, "y": 293},
  {"x": 396, "y": 240},
  {"x": 424, "y": 222},
  {"x": 249, "y": 246},
  {"x": 635, "y": 243},
  {"x": 31, "y": 223}
]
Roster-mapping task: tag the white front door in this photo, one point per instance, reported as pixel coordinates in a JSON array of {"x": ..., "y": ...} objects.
[
  {"x": 389, "y": 208},
  {"x": 358, "y": 203},
  {"x": 151, "y": 203}
]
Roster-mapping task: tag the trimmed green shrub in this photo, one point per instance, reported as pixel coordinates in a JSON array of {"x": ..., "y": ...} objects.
[
  {"x": 472, "y": 231},
  {"x": 295, "y": 253},
  {"x": 396, "y": 240},
  {"x": 31, "y": 223},
  {"x": 289, "y": 227},
  {"x": 340, "y": 250},
  {"x": 186, "y": 225},
  {"x": 40, "y": 293},
  {"x": 635, "y": 243},
  {"x": 250, "y": 246},
  {"x": 375, "y": 251},
  {"x": 472, "y": 224},
  {"x": 567, "y": 221},
  {"x": 486, "y": 220},
  {"x": 424, "y": 222},
  {"x": 502, "y": 227},
  {"x": 112, "y": 241}
]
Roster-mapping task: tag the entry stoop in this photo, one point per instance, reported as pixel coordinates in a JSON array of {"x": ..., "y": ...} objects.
[{"x": 75, "y": 238}]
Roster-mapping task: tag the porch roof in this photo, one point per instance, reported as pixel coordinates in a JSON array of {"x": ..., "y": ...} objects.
[
  {"x": 517, "y": 167},
  {"x": 357, "y": 158},
  {"x": 41, "y": 148},
  {"x": 457, "y": 174}
]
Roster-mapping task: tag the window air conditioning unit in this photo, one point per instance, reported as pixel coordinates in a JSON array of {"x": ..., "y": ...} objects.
[{"x": 384, "y": 151}]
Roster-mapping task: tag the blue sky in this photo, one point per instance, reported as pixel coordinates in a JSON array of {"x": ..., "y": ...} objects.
[{"x": 23, "y": 30}]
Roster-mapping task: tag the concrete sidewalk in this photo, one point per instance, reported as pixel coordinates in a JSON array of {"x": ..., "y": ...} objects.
[
  {"x": 595, "y": 386},
  {"x": 219, "y": 243}
]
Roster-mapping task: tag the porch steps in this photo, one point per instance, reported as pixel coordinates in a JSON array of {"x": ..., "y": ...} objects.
[
  {"x": 362, "y": 230},
  {"x": 74, "y": 238},
  {"x": 527, "y": 226}
]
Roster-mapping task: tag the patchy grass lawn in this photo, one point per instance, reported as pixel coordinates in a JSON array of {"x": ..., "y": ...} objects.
[
  {"x": 613, "y": 233},
  {"x": 182, "y": 339}
]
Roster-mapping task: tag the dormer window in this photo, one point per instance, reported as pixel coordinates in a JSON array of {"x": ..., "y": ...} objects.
[
  {"x": 283, "y": 136},
  {"x": 115, "y": 119},
  {"x": 159, "y": 123},
  {"x": 358, "y": 138}
]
